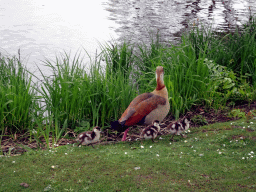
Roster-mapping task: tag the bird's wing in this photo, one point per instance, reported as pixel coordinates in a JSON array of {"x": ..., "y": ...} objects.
[
  {"x": 140, "y": 107},
  {"x": 86, "y": 135}
]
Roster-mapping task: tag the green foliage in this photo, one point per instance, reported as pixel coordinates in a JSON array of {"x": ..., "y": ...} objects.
[
  {"x": 76, "y": 94},
  {"x": 235, "y": 50},
  {"x": 238, "y": 113},
  {"x": 207, "y": 68},
  {"x": 17, "y": 97},
  {"x": 199, "y": 120}
]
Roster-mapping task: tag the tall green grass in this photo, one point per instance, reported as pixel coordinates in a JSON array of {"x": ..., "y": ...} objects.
[
  {"x": 95, "y": 95},
  {"x": 206, "y": 68},
  {"x": 235, "y": 49},
  {"x": 17, "y": 96}
]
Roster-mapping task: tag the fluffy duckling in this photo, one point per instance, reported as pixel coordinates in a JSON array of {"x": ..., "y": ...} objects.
[
  {"x": 151, "y": 131},
  {"x": 89, "y": 137},
  {"x": 178, "y": 127}
]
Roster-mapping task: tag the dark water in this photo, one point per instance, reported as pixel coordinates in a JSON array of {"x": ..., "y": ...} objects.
[{"x": 137, "y": 20}]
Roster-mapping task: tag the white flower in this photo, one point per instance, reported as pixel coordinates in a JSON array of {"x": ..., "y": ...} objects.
[
  {"x": 181, "y": 152},
  {"x": 189, "y": 131},
  {"x": 53, "y": 166},
  {"x": 220, "y": 152},
  {"x": 242, "y": 157},
  {"x": 160, "y": 138},
  {"x": 251, "y": 122},
  {"x": 189, "y": 181},
  {"x": 201, "y": 155},
  {"x": 251, "y": 156},
  {"x": 13, "y": 161},
  {"x": 224, "y": 145},
  {"x": 157, "y": 155},
  {"x": 194, "y": 150},
  {"x": 125, "y": 153},
  {"x": 170, "y": 143},
  {"x": 136, "y": 168},
  {"x": 65, "y": 153},
  {"x": 142, "y": 147},
  {"x": 231, "y": 123},
  {"x": 217, "y": 149},
  {"x": 252, "y": 152},
  {"x": 243, "y": 127},
  {"x": 230, "y": 141},
  {"x": 206, "y": 135},
  {"x": 185, "y": 141},
  {"x": 241, "y": 138},
  {"x": 150, "y": 146}
]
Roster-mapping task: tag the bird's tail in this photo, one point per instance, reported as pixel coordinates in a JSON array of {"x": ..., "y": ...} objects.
[{"x": 115, "y": 125}]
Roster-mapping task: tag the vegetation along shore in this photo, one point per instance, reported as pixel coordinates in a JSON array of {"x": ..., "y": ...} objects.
[{"x": 210, "y": 77}]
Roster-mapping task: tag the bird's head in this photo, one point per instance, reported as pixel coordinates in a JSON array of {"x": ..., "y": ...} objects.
[
  {"x": 156, "y": 124},
  {"x": 97, "y": 129},
  {"x": 160, "y": 77}
]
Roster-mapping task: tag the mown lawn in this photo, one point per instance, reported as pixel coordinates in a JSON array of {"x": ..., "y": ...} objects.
[{"x": 218, "y": 157}]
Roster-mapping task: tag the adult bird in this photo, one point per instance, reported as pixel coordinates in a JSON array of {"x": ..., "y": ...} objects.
[{"x": 145, "y": 108}]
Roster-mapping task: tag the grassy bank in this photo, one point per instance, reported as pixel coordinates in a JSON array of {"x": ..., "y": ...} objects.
[
  {"x": 205, "y": 68},
  {"x": 219, "y": 157}
]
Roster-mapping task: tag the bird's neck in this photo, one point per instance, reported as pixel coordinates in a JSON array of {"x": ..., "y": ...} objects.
[
  {"x": 162, "y": 92},
  {"x": 160, "y": 81}
]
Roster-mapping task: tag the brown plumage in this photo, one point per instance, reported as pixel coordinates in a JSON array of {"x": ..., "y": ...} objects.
[
  {"x": 151, "y": 131},
  {"x": 89, "y": 137},
  {"x": 145, "y": 108}
]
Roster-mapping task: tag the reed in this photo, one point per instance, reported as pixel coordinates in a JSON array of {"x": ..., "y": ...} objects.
[
  {"x": 205, "y": 68},
  {"x": 17, "y": 96}
]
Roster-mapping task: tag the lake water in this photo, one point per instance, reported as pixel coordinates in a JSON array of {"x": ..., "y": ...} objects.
[
  {"x": 137, "y": 19},
  {"x": 44, "y": 28}
]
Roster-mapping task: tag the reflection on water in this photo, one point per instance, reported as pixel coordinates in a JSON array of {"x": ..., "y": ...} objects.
[
  {"x": 136, "y": 18},
  {"x": 44, "y": 28}
]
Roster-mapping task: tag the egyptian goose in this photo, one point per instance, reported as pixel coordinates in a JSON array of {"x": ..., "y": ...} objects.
[
  {"x": 178, "y": 127},
  {"x": 89, "y": 137},
  {"x": 145, "y": 108},
  {"x": 151, "y": 131}
]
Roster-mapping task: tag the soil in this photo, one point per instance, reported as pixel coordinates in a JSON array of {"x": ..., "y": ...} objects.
[{"x": 19, "y": 143}]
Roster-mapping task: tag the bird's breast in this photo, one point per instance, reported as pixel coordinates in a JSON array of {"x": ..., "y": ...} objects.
[{"x": 158, "y": 113}]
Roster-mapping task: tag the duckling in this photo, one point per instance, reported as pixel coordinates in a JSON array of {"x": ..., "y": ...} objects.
[
  {"x": 151, "y": 131},
  {"x": 178, "y": 127},
  {"x": 89, "y": 137}
]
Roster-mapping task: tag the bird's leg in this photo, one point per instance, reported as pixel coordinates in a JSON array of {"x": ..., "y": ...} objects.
[
  {"x": 92, "y": 145},
  {"x": 153, "y": 140},
  {"x": 79, "y": 143},
  {"x": 125, "y": 134},
  {"x": 172, "y": 137}
]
